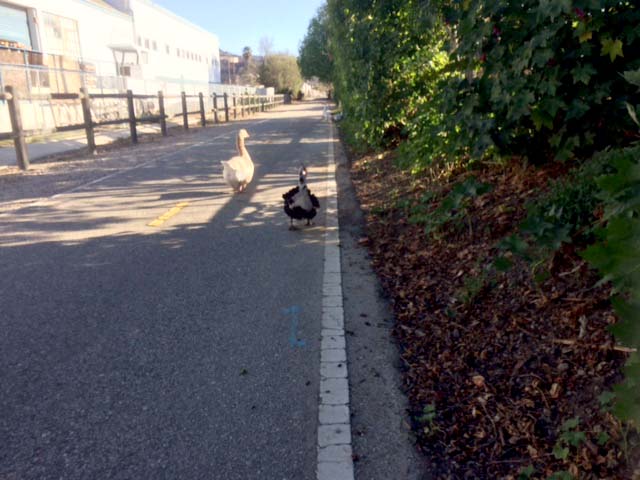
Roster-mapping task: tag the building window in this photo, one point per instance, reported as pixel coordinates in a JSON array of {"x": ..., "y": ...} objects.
[
  {"x": 155, "y": 45},
  {"x": 144, "y": 58},
  {"x": 61, "y": 35},
  {"x": 168, "y": 49},
  {"x": 146, "y": 43},
  {"x": 139, "y": 41},
  {"x": 14, "y": 27}
]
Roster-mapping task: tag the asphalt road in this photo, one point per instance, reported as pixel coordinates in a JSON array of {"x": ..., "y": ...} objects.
[{"x": 130, "y": 351}]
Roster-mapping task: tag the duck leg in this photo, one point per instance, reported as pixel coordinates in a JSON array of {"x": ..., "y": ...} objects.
[{"x": 291, "y": 225}]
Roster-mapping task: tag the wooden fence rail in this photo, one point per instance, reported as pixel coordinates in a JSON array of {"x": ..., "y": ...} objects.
[{"x": 250, "y": 103}]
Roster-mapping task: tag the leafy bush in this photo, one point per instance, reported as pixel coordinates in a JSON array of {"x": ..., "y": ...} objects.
[
  {"x": 617, "y": 257},
  {"x": 459, "y": 80}
]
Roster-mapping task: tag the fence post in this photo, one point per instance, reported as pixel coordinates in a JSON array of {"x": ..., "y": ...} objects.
[
  {"x": 203, "y": 119},
  {"x": 132, "y": 117},
  {"x": 163, "y": 118},
  {"x": 235, "y": 107},
  {"x": 185, "y": 116},
  {"x": 242, "y": 105},
  {"x": 88, "y": 123},
  {"x": 22, "y": 154},
  {"x": 262, "y": 104},
  {"x": 215, "y": 108},
  {"x": 226, "y": 108}
]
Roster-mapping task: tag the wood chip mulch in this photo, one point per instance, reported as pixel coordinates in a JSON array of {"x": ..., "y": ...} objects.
[{"x": 495, "y": 364}]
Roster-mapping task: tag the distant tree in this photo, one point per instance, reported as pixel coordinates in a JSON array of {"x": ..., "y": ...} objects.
[
  {"x": 282, "y": 72},
  {"x": 315, "y": 59},
  {"x": 247, "y": 54},
  {"x": 249, "y": 73}
]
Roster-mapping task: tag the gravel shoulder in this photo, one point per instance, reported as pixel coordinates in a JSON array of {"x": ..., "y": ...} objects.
[{"x": 382, "y": 441}]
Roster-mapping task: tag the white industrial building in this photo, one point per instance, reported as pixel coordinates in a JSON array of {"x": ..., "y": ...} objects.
[{"x": 60, "y": 45}]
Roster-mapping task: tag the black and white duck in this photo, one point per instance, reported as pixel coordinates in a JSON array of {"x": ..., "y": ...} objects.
[{"x": 299, "y": 202}]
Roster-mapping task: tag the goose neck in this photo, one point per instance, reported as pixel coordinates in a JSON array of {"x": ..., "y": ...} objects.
[{"x": 242, "y": 150}]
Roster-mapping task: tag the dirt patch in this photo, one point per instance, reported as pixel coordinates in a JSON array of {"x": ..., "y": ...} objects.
[{"x": 503, "y": 372}]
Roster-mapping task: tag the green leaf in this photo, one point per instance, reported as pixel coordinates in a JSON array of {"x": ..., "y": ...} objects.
[
  {"x": 577, "y": 109},
  {"x": 520, "y": 105},
  {"x": 613, "y": 48},
  {"x": 570, "y": 424},
  {"x": 633, "y": 77},
  {"x": 541, "y": 119},
  {"x": 567, "y": 148},
  {"x": 526, "y": 472},
  {"x": 583, "y": 74},
  {"x": 560, "y": 452},
  {"x": 603, "y": 438},
  {"x": 632, "y": 113},
  {"x": 502, "y": 264},
  {"x": 514, "y": 244},
  {"x": 562, "y": 475},
  {"x": 605, "y": 398},
  {"x": 575, "y": 438},
  {"x": 542, "y": 57}
]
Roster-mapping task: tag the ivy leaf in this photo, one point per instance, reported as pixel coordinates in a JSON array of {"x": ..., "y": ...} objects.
[
  {"x": 613, "y": 48},
  {"x": 562, "y": 475},
  {"x": 583, "y": 74},
  {"x": 571, "y": 423},
  {"x": 541, "y": 119},
  {"x": 632, "y": 113},
  {"x": 605, "y": 398},
  {"x": 514, "y": 244},
  {"x": 577, "y": 109},
  {"x": 541, "y": 57},
  {"x": 603, "y": 438},
  {"x": 526, "y": 473},
  {"x": 633, "y": 77},
  {"x": 520, "y": 105},
  {"x": 502, "y": 264},
  {"x": 567, "y": 148},
  {"x": 588, "y": 35},
  {"x": 560, "y": 452}
]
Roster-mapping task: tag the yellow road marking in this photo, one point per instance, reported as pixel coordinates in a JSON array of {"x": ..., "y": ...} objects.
[{"x": 166, "y": 216}]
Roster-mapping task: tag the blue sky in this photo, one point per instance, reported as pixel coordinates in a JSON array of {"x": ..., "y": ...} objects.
[{"x": 239, "y": 23}]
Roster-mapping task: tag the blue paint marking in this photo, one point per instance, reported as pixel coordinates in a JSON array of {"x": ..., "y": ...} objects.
[{"x": 293, "y": 335}]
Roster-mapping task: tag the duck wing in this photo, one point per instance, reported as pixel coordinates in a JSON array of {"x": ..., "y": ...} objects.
[
  {"x": 289, "y": 195},
  {"x": 314, "y": 200}
]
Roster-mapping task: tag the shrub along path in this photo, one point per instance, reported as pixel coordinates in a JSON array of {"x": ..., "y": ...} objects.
[{"x": 505, "y": 373}]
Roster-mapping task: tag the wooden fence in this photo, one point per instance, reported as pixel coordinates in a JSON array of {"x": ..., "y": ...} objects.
[{"x": 245, "y": 104}]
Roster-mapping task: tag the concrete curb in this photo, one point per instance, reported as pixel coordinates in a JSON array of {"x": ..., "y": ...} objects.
[{"x": 335, "y": 461}]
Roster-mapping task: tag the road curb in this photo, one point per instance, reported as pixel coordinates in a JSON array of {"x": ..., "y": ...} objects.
[{"x": 335, "y": 461}]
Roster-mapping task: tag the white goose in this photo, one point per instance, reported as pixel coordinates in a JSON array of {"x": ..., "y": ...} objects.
[{"x": 238, "y": 170}]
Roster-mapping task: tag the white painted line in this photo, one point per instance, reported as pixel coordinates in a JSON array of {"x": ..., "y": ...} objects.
[
  {"x": 333, "y": 370},
  {"x": 331, "y": 415},
  {"x": 335, "y": 453},
  {"x": 336, "y": 434},
  {"x": 335, "y": 461}
]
